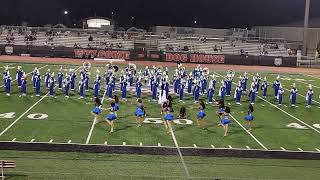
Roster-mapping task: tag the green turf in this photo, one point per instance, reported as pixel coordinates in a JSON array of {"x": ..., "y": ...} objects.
[
  {"x": 48, "y": 165},
  {"x": 70, "y": 119}
]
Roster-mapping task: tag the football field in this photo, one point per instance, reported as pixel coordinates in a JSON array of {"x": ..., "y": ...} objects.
[
  {"x": 68, "y": 120},
  {"x": 62, "y": 120}
]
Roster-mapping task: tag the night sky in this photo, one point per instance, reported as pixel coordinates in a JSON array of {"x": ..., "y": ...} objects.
[{"x": 147, "y": 13}]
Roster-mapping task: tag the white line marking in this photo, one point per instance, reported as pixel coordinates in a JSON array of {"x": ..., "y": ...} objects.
[
  {"x": 141, "y": 144},
  {"x": 124, "y": 143},
  {"x": 51, "y": 141},
  {"x": 229, "y": 104},
  {"x": 212, "y": 146},
  {"x": 230, "y": 147},
  {"x": 300, "y": 149},
  {"x": 318, "y": 149},
  {"x": 285, "y": 106},
  {"x": 32, "y": 140},
  {"x": 262, "y": 105},
  {"x": 194, "y": 145},
  {"x": 159, "y": 144},
  {"x": 248, "y": 147},
  {"x": 14, "y": 122},
  {"x": 290, "y": 115},
  {"x": 300, "y": 81},
  {"x": 311, "y": 76},
  {"x": 69, "y": 141},
  {"x": 26, "y": 74},
  {"x": 93, "y": 123},
  {"x": 106, "y": 143},
  {"x": 180, "y": 154},
  {"x": 283, "y": 148},
  {"x": 263, "y": 146},
  {"x": 14, "y": 139}
]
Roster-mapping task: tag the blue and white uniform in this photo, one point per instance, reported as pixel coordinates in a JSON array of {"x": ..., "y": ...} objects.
[
  {"x": 253, "y": 94},
  {"x": 37, "y": 81},
  {"x": 196, "y": 92},
  {"x": 244, "y": 81},
  {"x": 81, "y": 88},
  {"x": 19, "y": 75},
  {"x": 222, "y": 91},
  {"x": 112, "y": 115},
  {"x": 228, "y": 85},
  {"x": 73, "y": 76},
  {"x": 181, "y": 90},
  {"x": 138, "y": 89},
  {"x": 276, "y": 86},
  {"x": 264, "y": 88},
  {"x": 60, "y": 78},
  {"x": 211, "y": 90},
  {"x": 201, "y": 114},
  {"x": 309, "y": 96},
  {"x": 8, "y": 85},
  {"x": 23, "y": 86},
  {"x": 66, "y": 85},
  {"x": 47, "y": 78},
  {"x": 238, "y": 93},
  {"x": 96, "y": 87},
  {"x": 293, "y": 95},
  {"x": 51, "y": 85},
  {"x": 280, "y": 96},
  {"x": 154, "y": 90},
  {"x": 190, "y": 80}
]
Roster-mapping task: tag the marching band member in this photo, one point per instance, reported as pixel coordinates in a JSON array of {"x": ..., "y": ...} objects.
[
  {"x": 154, "y": 90},
  {"x": 309, "y": 96},
  {"x": 51, "y": 85},
  {"x": 222, "y": 91},
  {"x": 24, "y": 85},
  {"x": 280, "y": 95},
  {"x": 66, "y": 85},
  {"x": 124, "y": 84},
  {"x": 81, "y": 87},
  {"x": 252, "y": 93},
  {"x": 138, "y": 88},
  {"x": 35, "y": 73},
  {"x": 257, "y": 80},
  {"x": 5, "y": 74},
  {"x": 8, "y": 84},
  {"x": 181, "y": 90},
  {"x": 293, "y": 95},
  {"x": 73, "y": 76},
  {"x": 211, "y": 92},
  {"x": 47, "y": 78},
  {"x": 86, "y": 80},
  {"x": 110, "y": 88},
  {"x": 244, "y": 81},
  {"x": 190, "y": 80},
  {"x": 228, "y": 84},
  {"x": 37, "y": 81},
  {"x": 146, "y": 74},
  {"x": 196, "y": 91},
  {"x": 238, "y": 93},
  {"x": 276, "y": 85},
  {"x": 204, "y": 84},
  {"x": 264, "y": 87},
  {"x": 19, "y": 75},
  {"x": 60, "y": 78},
  {"x": 96, "y": 86}
]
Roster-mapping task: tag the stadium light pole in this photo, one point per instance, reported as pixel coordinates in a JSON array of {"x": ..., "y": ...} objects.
[{"x": 305, "y": 28}]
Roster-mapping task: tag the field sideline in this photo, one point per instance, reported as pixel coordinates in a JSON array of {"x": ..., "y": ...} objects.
[{"x": 69, "y": 121}]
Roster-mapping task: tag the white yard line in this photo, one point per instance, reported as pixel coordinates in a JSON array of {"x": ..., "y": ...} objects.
[
  {"x": 14, "y": 122},
  {"x": 26, "y": 74},
  {"x": 262, "y": 145},
  {"x": 301, "y": 81},
  {"x": 311, "y": 76},
  {"x": 94, "y": 121},
  {"x": 253, "y": 137},
  {"x": 285, "y": 112},
  {"x": 180, "y": 154},
  {"x": 297, "y": 93},
  {"x": 282, "y": 148}
]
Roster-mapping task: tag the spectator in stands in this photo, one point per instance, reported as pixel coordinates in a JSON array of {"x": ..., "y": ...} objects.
[
  {"x": 242, "y": 52},
  {"x": 215, "y": 48},
  {"x": 90, "y": 39},
  {"x": 120, "y": 45}
]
